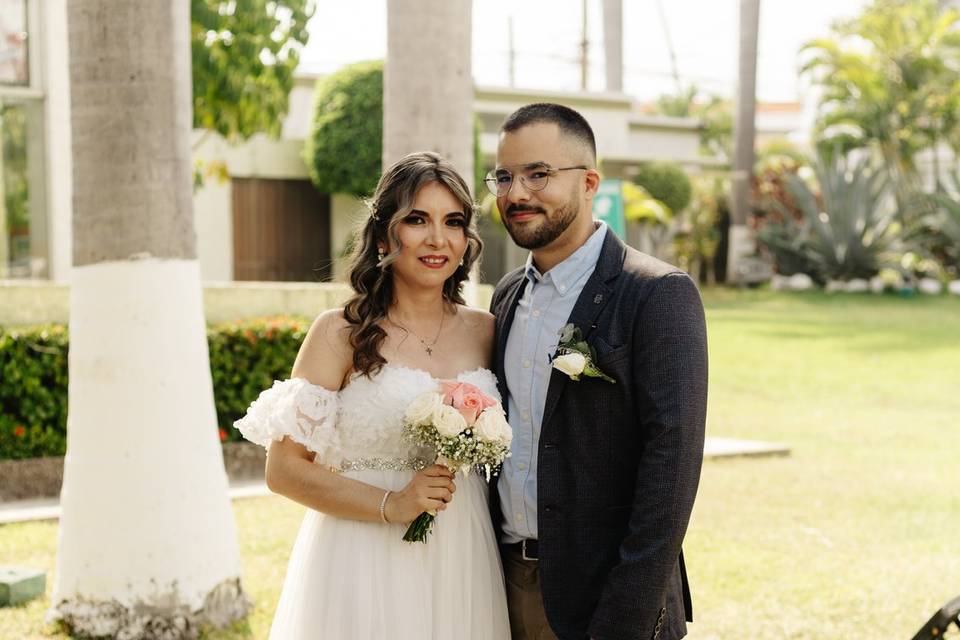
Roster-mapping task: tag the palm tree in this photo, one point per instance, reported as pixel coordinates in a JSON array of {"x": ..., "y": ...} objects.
[
  {"x": 147, "y": 540},
  {"x": 428, "y": 81}
]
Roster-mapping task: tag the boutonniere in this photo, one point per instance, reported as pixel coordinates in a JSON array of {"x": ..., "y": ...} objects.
[{"x": 575, "y": 357}]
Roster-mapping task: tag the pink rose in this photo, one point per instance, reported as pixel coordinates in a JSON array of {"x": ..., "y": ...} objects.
[{"x": 466, "y": 398}]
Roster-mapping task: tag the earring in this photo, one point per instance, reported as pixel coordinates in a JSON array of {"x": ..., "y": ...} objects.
[{"x": 380, "y": 254}]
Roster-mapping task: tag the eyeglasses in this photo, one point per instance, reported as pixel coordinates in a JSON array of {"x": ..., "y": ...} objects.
[{"x": 533, "y": 178}]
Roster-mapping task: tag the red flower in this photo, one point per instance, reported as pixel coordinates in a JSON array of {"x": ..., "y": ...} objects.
[
  {"x": 19, "y": 431},
  {"x": 223, "y": 435},
  {"x": 250, "y": 336}
]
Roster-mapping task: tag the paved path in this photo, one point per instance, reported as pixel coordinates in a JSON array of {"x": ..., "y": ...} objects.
[{"x": 49, "y": 508}]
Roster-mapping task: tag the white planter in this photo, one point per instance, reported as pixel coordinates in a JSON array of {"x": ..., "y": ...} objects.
[
  {"x": 801, "y": 282},
  {"x": 930, "y": 286},
  {"x": 857, "y": 285}
]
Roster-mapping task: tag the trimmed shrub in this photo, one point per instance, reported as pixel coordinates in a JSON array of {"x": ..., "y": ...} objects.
[
  {"x": 245, "y": 358},
  {"x": 667, "y": 183},
  {"x": 344, "y": 149},
  {"x": 33, "y": 391}
]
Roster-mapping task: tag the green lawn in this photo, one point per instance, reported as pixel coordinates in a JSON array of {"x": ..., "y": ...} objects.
[{"x": 855, "y": 535}]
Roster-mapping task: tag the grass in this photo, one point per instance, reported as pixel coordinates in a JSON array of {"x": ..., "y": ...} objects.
[{"x": 854, "y": 535}]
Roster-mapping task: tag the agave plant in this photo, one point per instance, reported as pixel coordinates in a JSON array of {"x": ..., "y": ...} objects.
[
  {"x": 788, "y": 241},
  {"x": 852, "y": 225},
  {"x": 942, "y": 228}
]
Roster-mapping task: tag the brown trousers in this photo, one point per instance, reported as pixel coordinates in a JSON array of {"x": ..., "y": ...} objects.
[{"x": 528, "y": 621}]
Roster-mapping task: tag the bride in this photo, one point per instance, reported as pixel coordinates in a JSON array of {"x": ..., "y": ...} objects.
[{"x": 334, "y": 432}]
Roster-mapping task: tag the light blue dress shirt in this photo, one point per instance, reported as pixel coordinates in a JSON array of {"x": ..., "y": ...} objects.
[{"x": 542, "y": 311}]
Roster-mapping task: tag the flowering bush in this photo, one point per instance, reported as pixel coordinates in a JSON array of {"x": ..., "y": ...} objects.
[{"x": 245, "y": 358}]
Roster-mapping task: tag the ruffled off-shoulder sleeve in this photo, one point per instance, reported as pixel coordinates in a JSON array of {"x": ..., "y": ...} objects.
[{"x": 295, "y": 409}]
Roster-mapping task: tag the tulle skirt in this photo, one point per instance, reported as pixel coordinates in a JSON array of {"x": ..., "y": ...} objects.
[{"x": 355, "y": 580}]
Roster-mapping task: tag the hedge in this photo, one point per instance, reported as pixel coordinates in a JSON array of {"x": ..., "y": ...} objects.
[
  {"x": 245, "y": 358},
  {"x": 666, "y": 182}
]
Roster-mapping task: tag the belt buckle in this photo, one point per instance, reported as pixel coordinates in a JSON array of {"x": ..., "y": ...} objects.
[{"x": 523, "y": 551}]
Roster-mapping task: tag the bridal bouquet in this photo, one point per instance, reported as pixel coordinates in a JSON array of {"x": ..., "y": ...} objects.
[{"x": 465, "y": 427}]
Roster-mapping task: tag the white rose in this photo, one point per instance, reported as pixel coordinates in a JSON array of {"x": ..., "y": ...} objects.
[
  {"x": 487, "y": 427},
  {"x": 504, "y": 429},
  {"x": 571, "y": 364},
  {"x": 423, "y": 407},
  {"x": 448, "y": 421}
]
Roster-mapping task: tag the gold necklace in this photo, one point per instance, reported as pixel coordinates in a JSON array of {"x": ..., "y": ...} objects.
[{"x": 428, "y": 347}]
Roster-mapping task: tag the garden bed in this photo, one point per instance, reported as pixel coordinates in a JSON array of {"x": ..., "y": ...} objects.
[{"x": 43, "y": 477}]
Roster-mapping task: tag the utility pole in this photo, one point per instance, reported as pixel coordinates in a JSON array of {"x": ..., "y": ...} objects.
[
  {"x": 584, "y": 49},
  {"x": 673, "y": 54},
  {"x": 512, "y": 72}
]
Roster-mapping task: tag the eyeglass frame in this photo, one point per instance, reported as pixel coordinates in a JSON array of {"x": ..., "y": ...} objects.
[{"x": 551, "y": 171}]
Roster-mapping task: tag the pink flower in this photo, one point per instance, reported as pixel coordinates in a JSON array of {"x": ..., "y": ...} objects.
[{"x": 465, "y": 398}]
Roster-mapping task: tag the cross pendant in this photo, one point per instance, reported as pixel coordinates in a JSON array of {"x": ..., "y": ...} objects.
[{"x": 429, "y": 351}]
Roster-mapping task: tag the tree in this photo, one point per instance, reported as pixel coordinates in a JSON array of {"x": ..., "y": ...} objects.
[
  {"x": 891, "y": 82},
  {"x": 715, "y": 115},
  {"x": 244, "y": 56},
  {"x": 147, "y": 546},
  {"x": 344, "y": 149}
]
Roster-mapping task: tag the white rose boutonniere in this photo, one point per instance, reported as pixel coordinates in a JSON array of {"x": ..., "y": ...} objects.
[
  {"x": 572, "y": 364},
  {"x": 575, "y": 357}
]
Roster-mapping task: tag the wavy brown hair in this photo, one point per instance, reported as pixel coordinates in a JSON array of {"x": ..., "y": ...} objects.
[{"x": 371, "y": 277}]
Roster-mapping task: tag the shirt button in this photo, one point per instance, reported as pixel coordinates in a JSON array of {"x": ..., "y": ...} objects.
[
  {"x": 526, "y": 364},
  {"x": 519, "y": 515},
  {"x": 536, "y": 313},
  {"x": 525, "y": 415},
  {"x": 521, "y": 466}
]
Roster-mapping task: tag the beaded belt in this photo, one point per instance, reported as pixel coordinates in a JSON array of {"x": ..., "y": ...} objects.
[{"x": 384, "y": 464}]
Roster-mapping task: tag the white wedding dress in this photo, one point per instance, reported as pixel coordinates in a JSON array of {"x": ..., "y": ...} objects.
[{"x": 359, "y": 580}]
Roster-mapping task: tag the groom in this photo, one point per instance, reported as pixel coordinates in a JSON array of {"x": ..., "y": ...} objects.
[{"x": 593, "y": 504}]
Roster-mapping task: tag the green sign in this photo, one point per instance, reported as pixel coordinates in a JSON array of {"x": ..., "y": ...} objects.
[{"x": 608, "y": 206}]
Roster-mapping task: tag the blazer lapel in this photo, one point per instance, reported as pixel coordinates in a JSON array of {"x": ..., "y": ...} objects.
[{"x": 591, "y": 301}]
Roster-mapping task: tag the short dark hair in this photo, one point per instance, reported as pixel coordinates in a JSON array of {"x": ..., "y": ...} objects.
[{"x": 569, "y": 121}]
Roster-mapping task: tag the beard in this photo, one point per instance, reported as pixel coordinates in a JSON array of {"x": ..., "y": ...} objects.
[{"x": 553, "y": 225}]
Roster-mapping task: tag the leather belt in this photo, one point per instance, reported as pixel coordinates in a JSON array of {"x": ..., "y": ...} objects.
[{"x": 527, "y": 548}]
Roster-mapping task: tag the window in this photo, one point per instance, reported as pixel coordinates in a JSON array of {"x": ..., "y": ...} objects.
[
  {"x": 14, "y": 59},
  {"x": 23, "y": 210}
]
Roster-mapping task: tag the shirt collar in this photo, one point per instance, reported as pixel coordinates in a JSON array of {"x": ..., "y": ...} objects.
[{"x": 567, "y": 273}]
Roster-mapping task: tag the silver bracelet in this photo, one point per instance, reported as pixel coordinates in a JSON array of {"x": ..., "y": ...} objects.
[{"x": 383, "y": 507}]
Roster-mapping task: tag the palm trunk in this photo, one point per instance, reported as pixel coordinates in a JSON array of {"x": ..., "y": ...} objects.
[
  {"x": 613, "y": 43},
  {"x": 147, "y": 540},
  {"x": 428, "y": 82},
  {"x": 741, "y": 241}
]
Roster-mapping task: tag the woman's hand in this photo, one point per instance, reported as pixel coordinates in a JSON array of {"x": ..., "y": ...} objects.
[{"x": 429, "y": 490}]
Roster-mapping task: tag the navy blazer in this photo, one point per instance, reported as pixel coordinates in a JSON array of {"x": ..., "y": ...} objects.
[{"x": 619, "y": 464}]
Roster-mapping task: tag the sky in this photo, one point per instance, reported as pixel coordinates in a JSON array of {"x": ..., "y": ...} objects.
[{"x": 547, "y": 42}]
